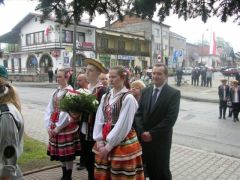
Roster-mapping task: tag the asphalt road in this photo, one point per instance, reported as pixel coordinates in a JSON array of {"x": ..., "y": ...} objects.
[{"x": 197, "y": 126}]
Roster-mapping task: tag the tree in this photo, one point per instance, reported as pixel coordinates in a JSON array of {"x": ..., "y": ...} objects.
[
  {"x": 73, "y": 11},
  {"x": 144, "y": 8}
]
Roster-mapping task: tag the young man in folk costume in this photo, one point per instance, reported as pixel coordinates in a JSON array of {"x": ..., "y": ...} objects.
[
  {"x": 93, "y": 70},
  {"x": 64, "y": 140}
]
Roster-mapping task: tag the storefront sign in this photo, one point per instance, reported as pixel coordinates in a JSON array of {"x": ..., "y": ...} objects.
[
  {"x": 127, "y": 58},
  {"x": 85, "y": 45},
  {"x": 55, "y": 53}
]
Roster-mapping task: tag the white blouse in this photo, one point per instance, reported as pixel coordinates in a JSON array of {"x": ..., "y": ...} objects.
[
  {"x": 63, "y": 116},
  {"x": 124, "y": 122}
]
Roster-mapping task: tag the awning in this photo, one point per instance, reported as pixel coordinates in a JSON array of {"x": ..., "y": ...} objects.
[{"x": 11, "y": 37}]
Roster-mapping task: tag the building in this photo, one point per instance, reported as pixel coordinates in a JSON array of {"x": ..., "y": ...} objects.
[
  {"x": 34, "y": 47},
  {"x": 119, "y": 48},
  {"x": 177, "y": 53},
  {"x": 192, "y": 54},
  {"x": 158, "y": 34}
]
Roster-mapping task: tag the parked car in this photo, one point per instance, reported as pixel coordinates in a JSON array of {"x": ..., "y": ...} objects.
[
  {"x": 230, "y": 72},
  {"x": 187, "y": 70}
]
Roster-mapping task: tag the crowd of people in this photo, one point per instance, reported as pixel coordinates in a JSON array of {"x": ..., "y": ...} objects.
[
  {"x": 122, "y": 139},
  {"x": 130, "y": 135}
]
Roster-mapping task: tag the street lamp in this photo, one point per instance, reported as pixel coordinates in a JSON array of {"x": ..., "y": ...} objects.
[{"x": 202, "y": 44}]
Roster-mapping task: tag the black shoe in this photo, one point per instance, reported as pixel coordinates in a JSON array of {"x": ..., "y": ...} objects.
[
  {"x": 80, "y": 167},
  {"x": 235, "y": 120},
  {"x": 224, "y": 117},
  {"x": 219, "y": 117}
]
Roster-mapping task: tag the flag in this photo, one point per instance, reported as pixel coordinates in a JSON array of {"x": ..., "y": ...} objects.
[{"x": 213, "y": 46}]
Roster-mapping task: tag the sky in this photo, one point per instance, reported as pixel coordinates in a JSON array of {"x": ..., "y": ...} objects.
[{"x": 193, "y": 29}]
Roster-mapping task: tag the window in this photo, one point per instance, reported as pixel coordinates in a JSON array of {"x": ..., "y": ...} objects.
[
  {"x": 38, "y": 37},
  {"x": 157, "y": 32},
  {"x": 30, "y": 39},
  {"x": 80, "y": 37},
  {"x": 34, "y": 38},
  {"x": 137, "y": 45},
  {"x": 67, "y": 36},
  {"x": 157, "y": 46},
  {"x": 121, "y": 45},
  {"x": 164, "y": 33},
  {"x": 104, "y": 43}
]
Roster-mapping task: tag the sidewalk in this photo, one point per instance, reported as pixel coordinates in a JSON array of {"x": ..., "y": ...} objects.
[{"x": 186, "y": 164}]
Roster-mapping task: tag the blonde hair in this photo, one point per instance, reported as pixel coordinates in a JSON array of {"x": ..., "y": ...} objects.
[
  {"x": 138, "y": 84},
  {"x": 8, "y": 94}
]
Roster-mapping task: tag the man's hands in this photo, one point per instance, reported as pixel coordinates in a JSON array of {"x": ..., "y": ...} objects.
[{"x": 146, "y": 136}]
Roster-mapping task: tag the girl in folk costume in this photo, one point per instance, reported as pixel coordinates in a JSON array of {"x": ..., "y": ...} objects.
[
  {"x": 64, "y": 141},
  {"x": 117, "y": 149}
]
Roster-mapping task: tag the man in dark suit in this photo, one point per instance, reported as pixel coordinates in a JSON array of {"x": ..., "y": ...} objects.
[
  {"x": 154, "y": 120},
  {"x": 223, "y": 93}
]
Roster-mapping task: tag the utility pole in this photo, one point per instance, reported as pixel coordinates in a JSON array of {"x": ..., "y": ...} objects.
[
  {"x": 162, "y": 56},
  {"x": 74, "y": 53}
]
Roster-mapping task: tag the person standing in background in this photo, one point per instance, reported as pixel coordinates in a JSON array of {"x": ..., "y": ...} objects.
[
  {"x": 223, "y": 93},
  {"x": 93, "y": 70}
]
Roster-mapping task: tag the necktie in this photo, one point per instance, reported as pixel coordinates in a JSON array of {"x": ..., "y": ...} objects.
[{"x": 154, "y": 98}]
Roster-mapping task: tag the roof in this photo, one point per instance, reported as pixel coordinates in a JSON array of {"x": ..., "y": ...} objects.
[
  {"x": 176, "y": 35},
  {"x": 155, "y": 22},
  {"x": 13, "y": 37},
  {"x": 120, "y": 32}
]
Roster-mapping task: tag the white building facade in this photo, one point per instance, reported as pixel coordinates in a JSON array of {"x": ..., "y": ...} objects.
[{"x": 41, "y": 46}]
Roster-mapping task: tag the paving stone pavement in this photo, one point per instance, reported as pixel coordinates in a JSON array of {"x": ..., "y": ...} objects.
[{"x": 186, "y": 164}]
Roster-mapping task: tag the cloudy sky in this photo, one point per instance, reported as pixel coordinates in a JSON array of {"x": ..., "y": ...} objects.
[{"x": 14, "y": 10}]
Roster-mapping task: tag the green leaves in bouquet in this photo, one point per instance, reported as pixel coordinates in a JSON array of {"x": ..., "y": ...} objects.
[{"x": 79, "y": 103}]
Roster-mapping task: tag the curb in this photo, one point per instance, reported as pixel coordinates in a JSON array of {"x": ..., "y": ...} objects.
[
  {"x": 41, "y": 169},
  {"x": 199, "y": 99}
]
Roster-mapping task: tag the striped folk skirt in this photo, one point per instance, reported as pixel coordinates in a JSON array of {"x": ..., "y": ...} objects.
[
  {"x": 124, "y": 161},
  {"x": 66, "y": 145}
]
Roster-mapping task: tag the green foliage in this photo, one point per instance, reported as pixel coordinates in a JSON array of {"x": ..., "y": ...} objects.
[
  {"x": 34, "y": 155},
  {"x": 69, "y": 12},
  {"x": 79, "y": 103},
  {"x": 32, "y": 149}
]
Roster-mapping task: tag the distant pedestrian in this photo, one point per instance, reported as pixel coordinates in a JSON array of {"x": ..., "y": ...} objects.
[
  {"x": 223, "y": 93},
  {"x": 50, "y": 74},
  {"x": 209, "y": 77},
  {"x": 203, "y": 77},
  {"x": 179, "y": 76},
  {"x": 145, "y": 78}
]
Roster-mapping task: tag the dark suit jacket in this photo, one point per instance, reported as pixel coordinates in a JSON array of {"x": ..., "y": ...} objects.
[
  {"x": 161, "y": 120},
  {"x": 221, "y": 92},
  {"x": 232, "y": 94}
]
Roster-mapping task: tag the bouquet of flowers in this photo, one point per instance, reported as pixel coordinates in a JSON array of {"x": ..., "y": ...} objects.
[{"x": 78, "y": 103}]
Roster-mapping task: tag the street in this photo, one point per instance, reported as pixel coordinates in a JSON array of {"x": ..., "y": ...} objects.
[{"x": 197, "y": 126}]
